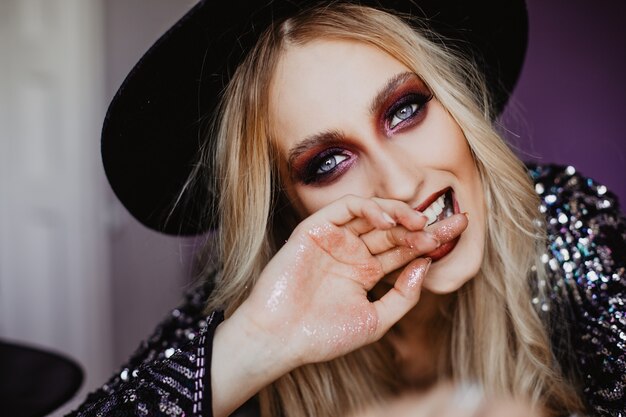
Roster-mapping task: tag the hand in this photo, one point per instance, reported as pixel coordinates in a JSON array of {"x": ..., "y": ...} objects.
[
  {"x": 311, "y": 299},
  {"x": 310, "y": 302}
]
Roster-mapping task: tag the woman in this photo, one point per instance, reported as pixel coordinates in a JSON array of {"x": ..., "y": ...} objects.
[{"x": 362, "y": 187}]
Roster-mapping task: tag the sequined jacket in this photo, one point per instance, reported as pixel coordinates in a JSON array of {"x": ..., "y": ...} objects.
[{"x": 169, "y": 373}]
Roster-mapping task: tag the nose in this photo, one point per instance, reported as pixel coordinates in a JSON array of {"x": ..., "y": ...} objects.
[{"x": 396, "y": 175}]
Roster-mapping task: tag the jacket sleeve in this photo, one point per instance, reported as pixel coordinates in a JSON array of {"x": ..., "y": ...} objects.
[
  {"x": 169, "y": 374},
  {"x": 586, "y": 263}
]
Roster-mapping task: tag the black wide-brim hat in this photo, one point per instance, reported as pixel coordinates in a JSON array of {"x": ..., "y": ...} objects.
[{"x": 155, "y": 124}]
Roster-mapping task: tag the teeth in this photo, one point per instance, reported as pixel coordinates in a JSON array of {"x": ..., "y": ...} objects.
[
  {"x": 441, "y": 205},
  {"x": 435, "y": 209}
]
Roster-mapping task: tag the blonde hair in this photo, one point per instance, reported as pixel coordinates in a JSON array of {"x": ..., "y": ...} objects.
[{"x": 494, "y": 336}]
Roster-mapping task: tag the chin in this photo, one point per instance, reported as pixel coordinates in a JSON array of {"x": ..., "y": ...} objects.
[
  {"x": 451, "y": 272},
  {"x": 443, "y": 285}
]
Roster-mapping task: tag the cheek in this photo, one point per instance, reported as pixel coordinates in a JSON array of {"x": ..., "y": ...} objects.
[
  {"x": 312, "y": 199},
  {"x": 309, "y": 199},
  {"x": 448, "y": 145},
  {"x": 439, "y": 143}
]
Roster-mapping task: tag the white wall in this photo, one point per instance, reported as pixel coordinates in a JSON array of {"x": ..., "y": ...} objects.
[
  {"x": 77, "y": 274},
  {"x": 54, "y": 259}
]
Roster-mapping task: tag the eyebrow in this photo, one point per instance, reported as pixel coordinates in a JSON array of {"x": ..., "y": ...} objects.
[
  {"x": 388, "y": 89},
  {"x": 317, "y": 139},
  {"x": 335, "y": 136}
]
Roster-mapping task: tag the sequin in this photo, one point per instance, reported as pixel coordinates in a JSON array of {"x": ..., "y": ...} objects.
[
  {"x": 583, "y": 300},
  {"x": 589, "y": 289},
  {"x": 539, "y": 189},
  {"x": 167, "y": 377}
]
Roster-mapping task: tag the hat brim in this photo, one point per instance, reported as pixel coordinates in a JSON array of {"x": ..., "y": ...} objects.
[{"x": 154, "y": 125}]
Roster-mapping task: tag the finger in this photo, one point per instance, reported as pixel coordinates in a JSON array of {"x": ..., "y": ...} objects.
[
  {"x": 419, "y": 244},
  {"x": 403, "y": 214},
  {"x": 449, "y": 228},
  {"x": 396, "y": 258},
  {"x": 361, "y": 225},
  {"x": 405, "y": 293},
  {"x": 348, "y": 208},
  {"x": 400, "y": 212},
  {"x": 379, "y": 241}
]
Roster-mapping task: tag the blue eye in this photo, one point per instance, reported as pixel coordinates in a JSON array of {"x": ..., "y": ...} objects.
[
  {"x": 402, "y": 114},
  {"x": 327, "y": 164},
  {"x": 407, "y": 109}
]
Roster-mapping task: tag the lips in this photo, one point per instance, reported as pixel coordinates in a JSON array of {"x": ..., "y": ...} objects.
[
  {"x": 436, "y": 207},
  {"x": 431, "y": 199}
]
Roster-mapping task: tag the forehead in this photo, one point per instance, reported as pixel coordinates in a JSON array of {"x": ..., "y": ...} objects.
[{"x": 324, "y": 84}]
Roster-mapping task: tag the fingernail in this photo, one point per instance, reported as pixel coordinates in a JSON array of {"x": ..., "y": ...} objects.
[
  {"x": 422, "y": 214},
  {"x": 388, "y": 219},
  {"x": 466, "y": 214}
]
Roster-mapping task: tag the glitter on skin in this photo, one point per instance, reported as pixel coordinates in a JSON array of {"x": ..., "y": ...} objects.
[
  {"x": 337, "y": 336},
  {"x": 594, "y": 238},
  {"x": 416, "y": 276},
  {"x": 278, "y": 292},
  {"x": 448, "y": 230}
]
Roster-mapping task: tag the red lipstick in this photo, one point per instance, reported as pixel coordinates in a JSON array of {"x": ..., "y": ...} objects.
[
  {"x": 444, "y": 233},
  {"x": 431, "y": 199}
]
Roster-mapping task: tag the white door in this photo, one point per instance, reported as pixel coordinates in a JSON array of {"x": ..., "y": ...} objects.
[{"x": 54, "y": 284}]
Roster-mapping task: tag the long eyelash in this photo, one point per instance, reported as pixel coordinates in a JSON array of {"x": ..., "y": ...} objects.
[
  {"x": 418, "y": 98},
  {"x": 310, "y": 175}
]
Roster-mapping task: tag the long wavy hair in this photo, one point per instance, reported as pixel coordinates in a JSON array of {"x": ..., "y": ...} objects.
[{"x": 493, "y": 335}]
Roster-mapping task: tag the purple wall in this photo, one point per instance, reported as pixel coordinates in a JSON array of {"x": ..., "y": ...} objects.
[{"x": 569, "y": 106}]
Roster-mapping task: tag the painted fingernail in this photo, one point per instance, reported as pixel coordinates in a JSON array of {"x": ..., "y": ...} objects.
[{"x": 388, "y": 219}]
